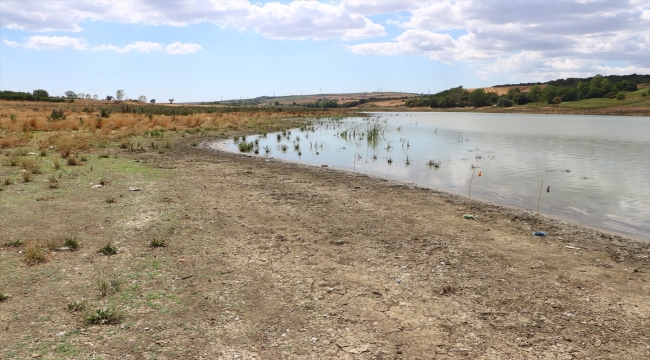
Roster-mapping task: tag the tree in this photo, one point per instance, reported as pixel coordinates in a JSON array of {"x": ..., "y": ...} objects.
[
  {"x": 478, "y": 98},
  {"x": 557, "y": 100},
  {"x": 109, "y": 98},
  {"x": 142, "y": 98},
  {"x": 153, "y": 101},
  {"x": 504, "y": 102},
  {"x": 70, "y": 94},
  {"x": 88, "y": 97},
  {"x": 95, "y": 97},
  {"x": 171, "y": 101},
  {"x": 40, "y": 93},
  {"x": 81, "y": 95},
  {"x": 534, "y": 93},
  {"x": 119, "y": 95}
]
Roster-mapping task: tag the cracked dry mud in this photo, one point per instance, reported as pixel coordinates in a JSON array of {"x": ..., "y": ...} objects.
[{"x": 273, "y": 260}]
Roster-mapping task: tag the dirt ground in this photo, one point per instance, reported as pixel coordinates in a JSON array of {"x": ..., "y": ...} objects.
[{"x": 274, "y": 260}]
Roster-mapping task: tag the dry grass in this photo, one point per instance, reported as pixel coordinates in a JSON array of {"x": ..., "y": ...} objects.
[
  {"x": 83, "y": 130},
  {"x": 35, "y": 254}
]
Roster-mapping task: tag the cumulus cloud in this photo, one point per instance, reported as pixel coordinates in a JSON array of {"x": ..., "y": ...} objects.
[
  {"x": 10, "y": 43},
  {"x": 526, "y": 38},
  {"x": 62, "y": 42},
  {"x": 180, "y": 48},
  {"x": 139, "y": 46},
  {"x": 55, "y": 43},
  {"x": 296, "y": 20}
]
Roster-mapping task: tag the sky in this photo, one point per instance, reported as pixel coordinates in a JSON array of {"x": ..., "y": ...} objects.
[{"x": 212, "y": 50}]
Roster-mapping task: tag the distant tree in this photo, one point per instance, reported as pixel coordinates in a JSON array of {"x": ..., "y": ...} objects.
[
  {"x": 88, "y": 97},
  {"x": 557, "y": 100},
  {"x": 492, "y": 98},
  {"x": 95, "y": 97},
  {"x": 70, "y": 94},
  {"x": 153, "y": 101},
  {"x": 620, "y": 95},
  {"x": 549, "y": 93},
  {"x": 171, "y": 101},
  {"x": 142, "y": 98},
  {"x": 570, "y": 95},
  {"x": 534, "y": 93},
  {"x": 277, "y": 103},
  {"x": 81, "y": 95},
  {"x": 109, "y": 98},
  {"x": 40, "y": 93},
  {"x": 504, "y": 102},
  {"x": 119, "y": 95},
  {"x": 478, "y": 98}
]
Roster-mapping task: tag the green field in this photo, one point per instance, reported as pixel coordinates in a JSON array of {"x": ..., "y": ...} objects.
[{"x": 633, "y": 98}]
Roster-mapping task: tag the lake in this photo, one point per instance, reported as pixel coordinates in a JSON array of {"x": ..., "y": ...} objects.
[{"x": 597, "y": 167}]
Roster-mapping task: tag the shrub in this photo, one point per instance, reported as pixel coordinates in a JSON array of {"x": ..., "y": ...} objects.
[
  {"x": 57, "y": 115},
  {"x": 72, "y": 161},
  {"x": 7, "y": 181},
  {"x": 56, "y": 164},
  {"x": 620, "y": 95},
  {"x": 504, "y": 102},
  {"x": 105, "y": 113},
  {"x": 27, "y": 176}
]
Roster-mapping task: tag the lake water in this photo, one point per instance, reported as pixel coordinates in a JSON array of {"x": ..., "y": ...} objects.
[{"x": 597, "y": 167}]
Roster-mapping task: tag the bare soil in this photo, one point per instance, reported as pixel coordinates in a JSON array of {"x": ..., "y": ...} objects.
[{"x": 274, "y": 260}]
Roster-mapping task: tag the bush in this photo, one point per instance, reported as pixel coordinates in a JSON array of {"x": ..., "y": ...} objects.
[
  {"x": 57, "y": 115},
  {"x": 620, "y": 96},
  {"x": 504, "y": 102}
]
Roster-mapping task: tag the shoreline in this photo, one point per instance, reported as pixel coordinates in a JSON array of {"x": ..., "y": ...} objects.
[{"x": 221, "y": 145}]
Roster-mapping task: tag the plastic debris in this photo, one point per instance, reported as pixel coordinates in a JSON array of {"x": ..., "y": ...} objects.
[
  {"x": 468, "y": 216},
  {"x": 96, "y": 186},
  {"x": 134, "y": 189},
  {"x": 539, "y": 233}
]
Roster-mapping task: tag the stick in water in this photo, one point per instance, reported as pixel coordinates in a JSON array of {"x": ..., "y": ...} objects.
[
  {"x": 469, "y": 193},
  {"x": 538, "y": 200}
]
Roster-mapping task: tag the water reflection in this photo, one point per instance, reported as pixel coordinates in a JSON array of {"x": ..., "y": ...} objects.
[{"x": 597, "y": 166}]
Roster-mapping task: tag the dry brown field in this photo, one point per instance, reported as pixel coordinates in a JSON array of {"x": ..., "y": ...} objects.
[{"x": 126, "y": 241}]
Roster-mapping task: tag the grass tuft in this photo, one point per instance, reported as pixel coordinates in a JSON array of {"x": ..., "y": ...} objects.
[
  {"x": 158, "y": 243},
  {"x": 27, "y": 176},
  {"x": 3, "y": 297},
  {"x": 77, "y": 306},
  {"x": 35, "y": 254},
  {"x": 108, "y": 249},
  {"x": 71, "y": 243},
  {"x": 14, "y": 243},
  {"x": 103, "y": 316}
]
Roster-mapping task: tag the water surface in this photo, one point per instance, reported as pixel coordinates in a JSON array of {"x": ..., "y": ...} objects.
[{"x": 597, "y": 167}]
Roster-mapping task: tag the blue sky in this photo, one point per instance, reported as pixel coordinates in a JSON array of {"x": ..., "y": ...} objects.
[{"x": 206, "y": 50}]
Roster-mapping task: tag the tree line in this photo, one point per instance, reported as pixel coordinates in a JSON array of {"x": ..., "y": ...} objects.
[{"x": 554, "y": 92}]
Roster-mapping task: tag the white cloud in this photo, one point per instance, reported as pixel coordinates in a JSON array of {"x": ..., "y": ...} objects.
[
  {"x": 296, "y": 20},
  {"x": 139, "y": 46},
  {"x": 10, "y": 43},
  {"x": 526, "y": 38},
  {"x": 180, "y": 48},
  {"x": 61, "y": 42},
  {"x": 55, "y": 43}
]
